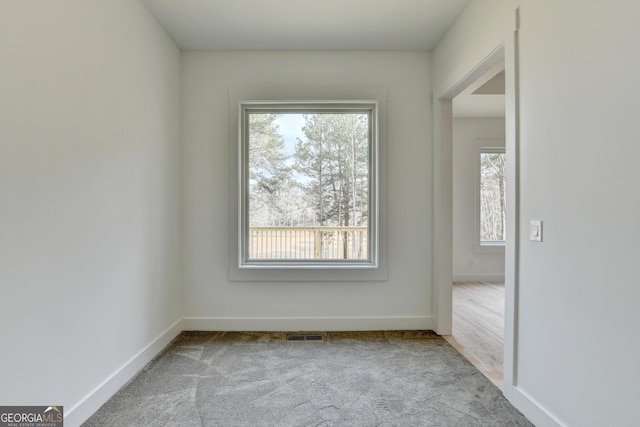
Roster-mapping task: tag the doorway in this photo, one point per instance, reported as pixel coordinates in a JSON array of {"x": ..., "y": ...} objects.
[
  {"x": 479, "y": 222},
  {"x": 502, "y": 58}
]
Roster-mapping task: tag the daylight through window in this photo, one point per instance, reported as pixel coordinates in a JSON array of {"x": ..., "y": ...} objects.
[
  {"x": 307, "y": 183},
  {"x": 492, "y": 196}
]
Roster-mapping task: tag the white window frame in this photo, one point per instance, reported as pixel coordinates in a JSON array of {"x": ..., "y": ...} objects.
[
  {"x": 242, "y": 101},
  {"x": 485, "y": 146}
]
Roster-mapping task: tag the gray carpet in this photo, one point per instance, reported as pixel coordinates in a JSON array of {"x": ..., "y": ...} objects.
[{"x": 229, "y": 379}]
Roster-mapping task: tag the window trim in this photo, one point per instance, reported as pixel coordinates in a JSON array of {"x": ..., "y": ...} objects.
[
  {"x": 485, "y": 146},
  {"x": 323, "y": 271},
  {"x": 345, "y": 106}
]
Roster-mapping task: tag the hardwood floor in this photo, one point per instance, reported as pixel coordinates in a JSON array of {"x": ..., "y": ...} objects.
[{"x": 478, "y": 326}]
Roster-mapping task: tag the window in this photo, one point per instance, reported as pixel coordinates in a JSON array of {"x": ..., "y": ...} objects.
[
  {"x": 308, "y": 184},
  {"x": 492, "y": 197},
  {"x": 248, "y": 190}
]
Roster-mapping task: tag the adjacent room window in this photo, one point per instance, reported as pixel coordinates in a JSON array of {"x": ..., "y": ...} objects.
[
  {"x": 308, "y": 184},
  {"x": 492, "y": 196}
]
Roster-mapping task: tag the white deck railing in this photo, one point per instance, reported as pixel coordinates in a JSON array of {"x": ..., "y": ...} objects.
[{"x": 308, "y": 242}]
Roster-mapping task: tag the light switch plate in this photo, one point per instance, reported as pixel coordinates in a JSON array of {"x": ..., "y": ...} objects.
[{"x": 535, "y": 231}]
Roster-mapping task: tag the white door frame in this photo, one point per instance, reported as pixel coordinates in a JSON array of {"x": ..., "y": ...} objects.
[{"x": 443, "y": 189}]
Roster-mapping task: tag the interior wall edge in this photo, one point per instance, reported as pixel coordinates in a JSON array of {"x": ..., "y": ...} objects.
[
  {"x": 82, "y": 410},
  {"x": 533, "y": 410}
]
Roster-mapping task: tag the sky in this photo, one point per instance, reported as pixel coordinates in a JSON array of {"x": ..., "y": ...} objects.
[{"x": 290, "y": 128}]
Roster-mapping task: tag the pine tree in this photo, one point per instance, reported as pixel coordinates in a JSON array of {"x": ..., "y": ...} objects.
[
  {"x": 269, "y": 174},
  {"x": 333, "y": 157}
]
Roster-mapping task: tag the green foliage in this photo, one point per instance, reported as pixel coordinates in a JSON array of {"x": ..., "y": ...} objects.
[
  {"x": 269, "y": 174},
  {"x": 323, "y": 181},
  {"x": 333, "y": 156}
]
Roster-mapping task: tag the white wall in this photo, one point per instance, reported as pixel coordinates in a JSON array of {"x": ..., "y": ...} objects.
[
  {"x": 479, "y": 30},
  {"x": 580, "y": 175},
  {"x": 577, "y": 305},
  {"x": 89, "y": 195},
  {"x": 469, "y": 263},
  {"x": 404, "y": 300}
]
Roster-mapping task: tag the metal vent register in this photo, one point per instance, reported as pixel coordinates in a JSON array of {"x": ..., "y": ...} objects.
[{"x": 305, "y": 337}]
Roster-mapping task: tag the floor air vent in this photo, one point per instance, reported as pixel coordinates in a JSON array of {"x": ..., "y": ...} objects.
[{"x": 305, "y": 337}]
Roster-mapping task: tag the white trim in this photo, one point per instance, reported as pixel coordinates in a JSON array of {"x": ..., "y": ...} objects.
[
  {"x": 442, "y": 246},
  {"x": 485, "y": 145},
  {"x": 87, "y": 406},
  {"x": 342, "y": 106},
  {"x": 533, "y": 410},
  {"x": 451, "y": 85},
  {"x": 101, "y": 394},
  {"x": 443, "y": 185},
  {"x": 478, "y": 278},
  {"x": 318, "y": 274},
  {"x": 307, "y": 323},
  {"x": 512, "y": 144}
]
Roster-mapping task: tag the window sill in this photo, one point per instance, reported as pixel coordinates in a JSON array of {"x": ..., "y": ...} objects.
[{"x": 326, "y": 273}]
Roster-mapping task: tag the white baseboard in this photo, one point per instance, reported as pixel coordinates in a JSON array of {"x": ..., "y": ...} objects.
[
  {"x": 533, "y": 410},
  {"x": 478, "y": 278},
  {"x": 306, "y": 323},
  {"x": 80, "y": 412}
]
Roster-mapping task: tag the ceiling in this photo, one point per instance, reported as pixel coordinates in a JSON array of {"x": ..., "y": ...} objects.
[
  {"x": 306, "y": 24},
  {"x": 484, "y": 98},
  {"x": 323, "y": 25}
]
